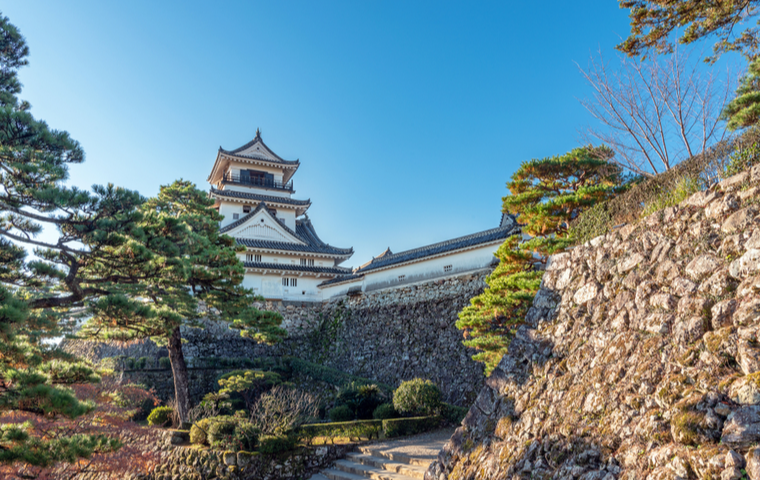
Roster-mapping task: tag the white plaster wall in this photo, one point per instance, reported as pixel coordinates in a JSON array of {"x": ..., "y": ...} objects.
[
  {"x": 229, "y": 208},
  {"x": 306, "y": 289},
  {"x": 425, "y": 270}
]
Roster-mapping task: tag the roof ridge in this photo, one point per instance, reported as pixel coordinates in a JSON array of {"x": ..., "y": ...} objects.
[
  {"x": 260, "y": 243},
  {"x": 258, "y": 139},
  {"x": 440, "y": 247}
]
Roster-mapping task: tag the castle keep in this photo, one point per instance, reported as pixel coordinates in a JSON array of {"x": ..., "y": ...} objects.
[{"x": 286, "y": 260}]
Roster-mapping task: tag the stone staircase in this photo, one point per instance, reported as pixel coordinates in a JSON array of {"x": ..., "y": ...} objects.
[{"x": 404, "y": 459}]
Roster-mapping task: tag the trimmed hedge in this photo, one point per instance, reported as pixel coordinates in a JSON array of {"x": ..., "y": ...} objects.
[
  {"x": 356, "y": 429},
  {"x": 199, "y": 432},
  {"x": 396, "y": 427}
]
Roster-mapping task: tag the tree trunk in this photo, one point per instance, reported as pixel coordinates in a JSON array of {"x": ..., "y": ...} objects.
[{"x": 179, "y": 371}]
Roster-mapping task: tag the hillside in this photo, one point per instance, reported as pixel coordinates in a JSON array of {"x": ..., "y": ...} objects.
[{"x": 640, "y": 357}]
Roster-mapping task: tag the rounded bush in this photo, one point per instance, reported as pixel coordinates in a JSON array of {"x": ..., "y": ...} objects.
[
  {"x": 229, "y": 433},
  {"x": 417, "y": 397},
  {"x": 384, "y": 412},
  {"x": 160, "y": 416},
  {"x": 276, "y": 444},
  {"x": 199, "y": 430},
  {"x": 341, "y": 414}
]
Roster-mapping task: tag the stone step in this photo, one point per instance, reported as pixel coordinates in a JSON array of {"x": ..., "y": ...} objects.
[
  {"x": 366, "y": 471},
  {"x": 414, "y": 471},
  {"x": 419, "y": 460},
  {"x": 318, "y": 476}
]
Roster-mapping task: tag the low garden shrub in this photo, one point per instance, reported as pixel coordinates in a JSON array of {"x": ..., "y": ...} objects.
[
  {"x": 160, "y": 416},
  {"x": 341, "y": 413},
  {"x": 397, "y": 427},
  {"x": 199, "y": 432},
  {"x": 361, "y": 398},
  {"x": 384, "y": 411},
  {"x": 453, "y": 414},
  {"x": 165, "y": 362},
  {"x": 231, "y": 433},
  {"x": 277, "y": 444},
  {"x": 417, "y": 397},
  {"x": 284, "y": 409}
]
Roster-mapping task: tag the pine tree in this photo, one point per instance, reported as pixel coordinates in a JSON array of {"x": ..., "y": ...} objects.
[
  {"x": 744, "y": 110},
  {"x": 184, "y": 271},
  {"x": 33, "y": 166},
  {"x": 545, "y": 195}
]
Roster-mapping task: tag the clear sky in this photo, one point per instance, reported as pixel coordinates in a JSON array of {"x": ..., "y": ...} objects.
[{"x": 408, "y": 117}]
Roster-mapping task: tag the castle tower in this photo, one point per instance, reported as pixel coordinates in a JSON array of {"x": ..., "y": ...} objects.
[{"x": 284, "y": 257}]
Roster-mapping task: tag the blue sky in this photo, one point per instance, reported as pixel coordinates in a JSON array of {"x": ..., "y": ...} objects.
[{"x": 408, "y": 117}]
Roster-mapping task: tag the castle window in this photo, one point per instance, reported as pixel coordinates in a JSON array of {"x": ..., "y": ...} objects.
[
  {"x": 291, "y": 282},
  {"x": 447, "y": 268},
  {"x": 235, "y": 216},
  {"x": 251, "y": 257},
  {"x": 401, "y": 278},
  {"x": 246, "y": 209},
  {"x": 307, "y": 262}
]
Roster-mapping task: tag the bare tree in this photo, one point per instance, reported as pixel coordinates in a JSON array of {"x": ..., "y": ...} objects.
[
  {"x": 657, "y": 112},
  {"x": 284, "y": 409}
]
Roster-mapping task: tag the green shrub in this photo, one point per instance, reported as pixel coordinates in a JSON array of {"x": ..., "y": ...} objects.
[
  {"x": 684, "y": 188},
  {"x": 341, "y": 413},
  {"x": 453, "y": 414},
  {"x": 417, "y": 398},
  {"x": 742, "y": 159},
  {"x": 384, "y": 411},
  {"x": 356, "y": 429},
  {"x": 397, "y": 427},
  {"x": 164, "y": 362},
  {"x": 229, "y": 433},
  {"x": 362, "y": 399},
  {"x": 199, "y": 432},
  {"x": 160, "y": 416},
  {"x": 329, "y": 375},
  {"x": 277, "y": 444}
]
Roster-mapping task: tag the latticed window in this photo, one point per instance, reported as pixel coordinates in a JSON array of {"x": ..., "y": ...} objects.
[
  {"x": 250, "y": 257},
  {"x": 292, "y": 282},
  {"x": 308, "y": 262}
]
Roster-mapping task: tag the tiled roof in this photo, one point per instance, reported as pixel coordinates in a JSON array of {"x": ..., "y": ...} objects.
[
  {"x": 256, "y": 196},
  {"x": 253, "y": 142},
  {"x": 505, "y": 230},
  {"x": 245, "y": 218},
  {"x": 297, "y": 268},
  {"x": 305, "y": 230},
  {"x": 293, "y": 247},
  {"x": 343, "y": 278}
]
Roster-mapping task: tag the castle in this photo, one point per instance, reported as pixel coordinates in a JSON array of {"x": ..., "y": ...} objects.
[{"x": 286, "y": 260}]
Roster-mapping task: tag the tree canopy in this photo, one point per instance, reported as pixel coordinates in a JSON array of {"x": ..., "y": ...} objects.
[
  {"x": 545, "y": 195},
  {"x": 654, "y": 23},
  {"x": 744, "y": 110}
]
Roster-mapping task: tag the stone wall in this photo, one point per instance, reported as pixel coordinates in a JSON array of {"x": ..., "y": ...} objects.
[
  {"x": 639, "y": 359},
  {"x": 194, "y": 464},
  {"x": 388, "y": 336}
]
